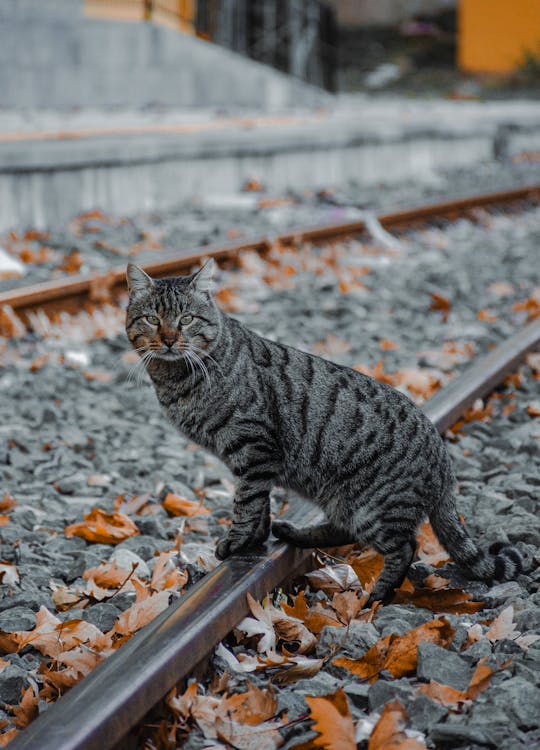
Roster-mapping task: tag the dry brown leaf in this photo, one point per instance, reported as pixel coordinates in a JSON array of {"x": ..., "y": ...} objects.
[
  {"x": 298, "y": 668},
  {"x": 503, "y": 626},
  {"x": 7, "y": 736},
  {"x": 141, "y": 613},
  {"x": 486, "y": 316},
  {"x": 534, "y": 409},
  {"x": 107, "y": 575},
  {"x": 367, "y": 566},
  {"x": 177, "y": 505},
  {"x": 332, "y": 578},
  {"x": 428, "y": 547},
  {"x": 72, "y": 262},
  {"x": 104, "y": 528},
  {"x": 271, "y": 623},
  {"x": 332, "y": 345},
  {"x": 27, "y": 709},
  {"x": 454, "y": 601},
  {"x": 166, "y": 575},
  {"x": 389, "y": 732},
  {"x": 347, "y": 605},
  {"x": 251, "y": 707},
  {"x": 7, "y": 503},
  {"x": 533, "y": 361},
  {"x": 11, "y": 326},
  {"x": 386, "y": 345},
  {"x": 51, "y": 636},
  {"x": 332, "y": 722},
  {"x": 443, "y": 694},
  {"x": 480, "y": 679},
  {"x": 441, "y": 304},
  {"x": 314, "y": 618},
  {"x": 531, "y": 305},
  {"x": 398, "y": 654}
]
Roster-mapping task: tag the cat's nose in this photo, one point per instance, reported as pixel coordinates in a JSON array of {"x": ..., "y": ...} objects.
[{"x": 168, "y": 340}]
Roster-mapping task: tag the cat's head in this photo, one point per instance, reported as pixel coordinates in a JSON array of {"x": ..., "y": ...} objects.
[{"x": 173, "y": 316}]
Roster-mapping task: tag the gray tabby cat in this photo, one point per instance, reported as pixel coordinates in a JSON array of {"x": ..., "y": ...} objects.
[{"x": 274, "y": 415}]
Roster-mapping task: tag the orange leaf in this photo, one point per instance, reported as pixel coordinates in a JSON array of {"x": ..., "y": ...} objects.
[
  {"x": 141, "y": 613},
  {"x": 440, "y": 304},
  {"x": 480, "y": 679},
  {"x": 332, "y": 721},
  {"x": 454, "y": 601},
  {"x": 398, "y": 654},
  {"x": 389, "y": 732},
  {"x": 314, "y": 618},
  {"x": 104, "y": 528},
  {"x": 27, "y": 709},
  {"x": 386, "y": 345},
  {"x": 107, "y": 575},
  {"x": 166, "y": 575},
  {"x": 444, "y": 694},
  {"x": 486, "y": 316},
  {"x": 367, "y": 566},
  {"x": 7, "y": 502},
  {"x": 177, "y": 505},
  {"x": 72, "y": 262},
  {"x": 534, "y": 409},
  {"x": 428, "y": 548}
]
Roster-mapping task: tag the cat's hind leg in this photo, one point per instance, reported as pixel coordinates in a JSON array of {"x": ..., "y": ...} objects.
[
  {"x": 398, "y": 555},
  {"x": 323, "y": 534}
]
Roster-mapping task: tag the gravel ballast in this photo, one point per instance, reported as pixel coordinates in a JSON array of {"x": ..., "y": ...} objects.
[{"x": 75, "y": 434}]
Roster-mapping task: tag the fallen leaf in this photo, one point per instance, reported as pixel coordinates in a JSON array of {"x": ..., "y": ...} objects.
[
  {"x": 314, "y": 618},
  {"x": 503, "y": 626},
  {"x": 11, "y": 326},
  {"x": 332, "y": 721},
  {"x": 332, "y": 345},
  {"x": 27, "y": 709},
  {"x": 441, "y": 304},
  {"x": 501, "y": 289},
  {"x": 389, "y": 731},
  {"x": 531, "y": 305},
  {"x": 177, "y": 505},
  {"x": 102, "y": 527},
  {"x": 7, "y": 503},
  {"x": 534, "y": 409},
  {"x": 386, "y": 345},
  {"x": 332, "y": 578},
  {"x": 166, "y": 575},
  {"x": 443, "y": 694},
  {"x": 398, "y": 654},
  {"x": 298, "y": 668},
  {"x": 141, "y": 613},
  {"x": 480, "y": 679},
  {"x": 428, "y": 547},
  {"x": 367, "y": 566},
  {"x": 453, "y": 601},
  {"x": 72, "y": 262},
  {"x": 347, "y": 604},
  {"x": 486, "y": 316}
]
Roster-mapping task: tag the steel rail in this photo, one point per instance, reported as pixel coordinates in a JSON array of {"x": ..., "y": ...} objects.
[
  {"x": 102, "y": 709},
  {"x": 72, "y": 294}
]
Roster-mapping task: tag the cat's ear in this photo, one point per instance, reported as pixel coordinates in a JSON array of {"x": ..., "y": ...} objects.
[
  {"x": 138, "y": 280},
  {"x": 203, "y": 280}
]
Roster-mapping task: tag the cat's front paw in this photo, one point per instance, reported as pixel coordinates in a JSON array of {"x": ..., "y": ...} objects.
[{"x": 233, "y": 543}]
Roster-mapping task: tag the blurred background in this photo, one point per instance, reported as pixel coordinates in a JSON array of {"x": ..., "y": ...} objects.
[{"x": 138, "y": 105}]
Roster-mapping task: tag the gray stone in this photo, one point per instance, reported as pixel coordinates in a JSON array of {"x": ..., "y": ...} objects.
[
  {"x": 456, "y": 735},
  {"x": 423, "y": 713},
  {"x": 126, "y": 559},
  {"x": 478, "y": 650},
  {"x": 17, "y": 618},
  {"x": 320, "y": 684},
  {"x": 399, "y": 619},
  {"x": 520, "y": 700},
  {"x": 382, "y": 691},
  {"x": 353, "y": 642},
  {"x": 13, "y": 680},
  {"x": 443, "y": 666},
  {"x": 102, "y": 615}
]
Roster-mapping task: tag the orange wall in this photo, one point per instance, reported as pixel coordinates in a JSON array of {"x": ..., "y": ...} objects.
[{"x": 494, "y": 34}]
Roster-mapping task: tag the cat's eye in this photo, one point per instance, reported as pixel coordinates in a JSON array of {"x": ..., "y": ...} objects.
[
  {"x": 185, "y": 320},
  {"x": 153, "y": 320}
]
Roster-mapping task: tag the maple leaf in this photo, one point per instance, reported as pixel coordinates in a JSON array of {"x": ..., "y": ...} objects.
[
  {"x": 104, "y": 528},
  {"x": 441, "y": 304},
  {"x": 11, "y": 326},
  {"x": 503, "y": 626},
  {"x": 332, "y": 578},
  {"x": 443, "y": 694},
  {"x": 7, "y": 503},
  {"x": 298, "y": 668},
  {"x": 314, "y": 618},
  {"x": 347, "y": 605},
  {"x": 177, "y": 505},
  {"x": 260, "y": 624},
  {"x": 141, "y": 613},
  {"x": 8, "y": 735},
  {"x": 332, "y": 722},
  {"x": 441, "y": 599},
  {"x": 389, "y": 732},
  {"x": 533, "y": 409},
  {"x": 398, "y": 654},
  {"x": 108, "y": 575}
]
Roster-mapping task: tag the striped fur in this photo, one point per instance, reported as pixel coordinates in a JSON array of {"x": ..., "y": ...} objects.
[{"x": 274, "y": 415}]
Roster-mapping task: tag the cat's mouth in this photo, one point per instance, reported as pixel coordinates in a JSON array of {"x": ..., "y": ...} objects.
[{"x": 170, "y": 355}]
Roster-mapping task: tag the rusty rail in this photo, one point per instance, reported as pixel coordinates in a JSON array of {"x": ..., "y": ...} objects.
[{"x": 72, "y": 294}]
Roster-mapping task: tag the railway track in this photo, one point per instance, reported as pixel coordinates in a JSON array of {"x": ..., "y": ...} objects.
[
  {"x": 70, "y": 295},
  {"x": 99, "y": 711}
]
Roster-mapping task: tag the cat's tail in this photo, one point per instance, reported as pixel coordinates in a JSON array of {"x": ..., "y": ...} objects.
[{"x": 502, "y": 562}]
